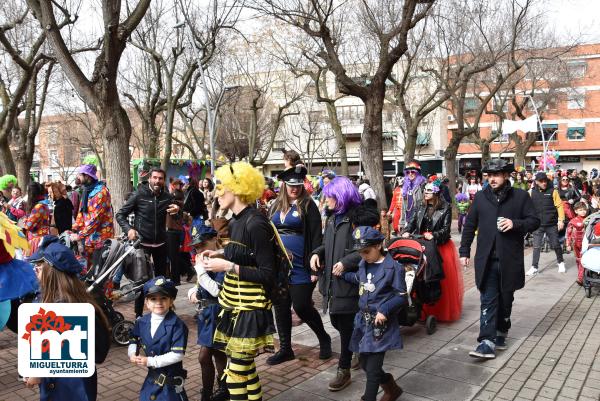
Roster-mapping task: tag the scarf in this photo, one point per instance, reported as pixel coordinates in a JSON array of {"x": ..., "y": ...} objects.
[{"x": 84, "y": 197}]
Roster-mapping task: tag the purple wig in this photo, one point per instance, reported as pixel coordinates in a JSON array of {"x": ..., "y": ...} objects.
[
  {"x": 409, "y": 185},
  {"x": 344, "y": 192}
]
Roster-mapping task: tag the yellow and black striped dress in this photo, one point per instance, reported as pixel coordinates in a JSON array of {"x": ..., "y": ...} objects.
[{"x": 245, "y": 326}]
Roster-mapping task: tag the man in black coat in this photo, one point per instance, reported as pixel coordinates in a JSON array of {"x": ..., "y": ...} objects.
[{"x": 502, "y": 215}]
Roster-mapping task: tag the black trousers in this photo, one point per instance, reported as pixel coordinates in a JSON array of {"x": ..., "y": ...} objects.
[
  {"x": 300, "y": 297},
  {"x": 538, "y": 237},
  {"x": 159, "y": 259},
  {"x": 173, "y": 244},
  {"x": 344, "y": 324},
  {"x": 372, "y": 364}
]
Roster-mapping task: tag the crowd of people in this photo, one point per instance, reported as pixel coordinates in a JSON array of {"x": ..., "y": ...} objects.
[{"x": 258, "y": 247}]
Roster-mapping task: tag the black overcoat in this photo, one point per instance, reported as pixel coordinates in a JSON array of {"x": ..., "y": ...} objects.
[{"x": 514, "y": 204}]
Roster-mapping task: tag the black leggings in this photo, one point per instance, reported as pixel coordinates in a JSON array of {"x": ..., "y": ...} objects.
[
  {"x": 344, "y": 323},
  {"x": 372, "y": 364},
  {"x": 173, "y": 243},
  {"x": 205, "y": 358},
  {"x": 301, "y": 299}
]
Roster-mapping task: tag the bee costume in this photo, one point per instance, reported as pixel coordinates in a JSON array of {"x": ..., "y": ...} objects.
[{"x": 245, "y": 325}]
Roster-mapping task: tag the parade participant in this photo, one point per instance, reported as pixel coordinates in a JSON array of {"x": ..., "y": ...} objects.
[
  {"x": 15, "y": 208},
  {"x": 194, "y": 202},
  {"x": 432, "y": 219},
  {"x": 412, "y": 189},
  {"x": 158, "y": 342},
  {"x": 472, "y": 187},
  {"x": 174, "y": 235},
  {"x": 395, "y": 211},
  {"x": 502, "y": 215},
  {"x": 376, "y": 328},
  {"x": 245, "y": 326},
  {"x": 58, "y": 273},
  {"x": 7, "y": 183},
  {"x": 62, "y": 208},
  {"x": 575, "y": 235},
  {"x": 339, "y": 296},
  {"x": 297, "y": 219},
  {"x": 462, "y": 204},
  {"x": 94, "y": 223},
  {"x": 206, "y": 293},
  {"x": 384, "y": 224},
  {"x": 37, "y": 222},
  {"x": 520, "y": 182},
  {"x": 549, "y": 210},
  {"x": 208, "y": 191}
]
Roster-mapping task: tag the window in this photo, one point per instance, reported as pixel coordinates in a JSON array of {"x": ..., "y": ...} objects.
[
  {"x": 423, "y": 138},
  {"x": 501, "y": 138},
  {"x": 471, "y": 104},
  {"x": 53, "y": 156},
  {"x": 52, "y": 134},
  {"x": 576, "y": 133},
  {"x": 500, "y": 104},
  {"x": 577, "y": 68},
  {"x": 576, "y": 99},
  {"x": 549, "y": 133}
]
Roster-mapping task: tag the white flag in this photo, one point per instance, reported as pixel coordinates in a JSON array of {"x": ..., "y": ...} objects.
[{"x": 527, "y": 125}]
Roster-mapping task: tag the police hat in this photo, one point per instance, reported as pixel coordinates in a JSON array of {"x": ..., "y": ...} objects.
[
  {"x": 57, "y": 255},
  {"x": 293, "y": 175},
  {"x": 160, "y": 285},
  {"x": 201, "y": 232},
  {"x": 497, "y": 166},
  {"x": 365, "y": 236}
]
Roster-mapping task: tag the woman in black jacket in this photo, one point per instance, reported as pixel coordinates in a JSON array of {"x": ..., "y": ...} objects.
[
  {"x": 432, "y": 220},
  {"x": 193, "y": 202},
  {"x": 62, "y": 212},
  {"x": 335, "y": 255},
  {"x": 298, "y": 222}
]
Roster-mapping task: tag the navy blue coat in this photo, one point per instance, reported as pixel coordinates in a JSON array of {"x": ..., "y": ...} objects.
[
  {"x": 207, "y": 318},
  {"x": 171, "y": 335},
  {"x": 387, "y": 297}
]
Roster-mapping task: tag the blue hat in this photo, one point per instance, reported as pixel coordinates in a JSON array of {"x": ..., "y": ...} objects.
[
  {"x": 160, "y": 285},
  {"x": 57, "y": 255},
  {"x": 201, "y": 232},
  {"x": 365, "y": 236}
]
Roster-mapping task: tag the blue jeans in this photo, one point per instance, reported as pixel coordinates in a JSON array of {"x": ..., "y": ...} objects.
[{"x": 496, "y": 305}]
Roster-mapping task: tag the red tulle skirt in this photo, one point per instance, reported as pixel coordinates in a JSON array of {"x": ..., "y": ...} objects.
[{"x": 449, "y": 306}]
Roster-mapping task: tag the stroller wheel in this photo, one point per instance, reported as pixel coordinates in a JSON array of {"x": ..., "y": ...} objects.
[
  {"x": 430, "y": 324},
  {"x": 588, "y": 292},
  {"x": 120, "y": 332}
]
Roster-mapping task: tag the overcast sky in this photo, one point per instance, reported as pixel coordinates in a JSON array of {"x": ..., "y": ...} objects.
[{"x": 577, "y": 17}]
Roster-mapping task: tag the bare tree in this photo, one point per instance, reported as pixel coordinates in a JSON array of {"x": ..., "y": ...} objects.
[
  {"x": 371, "y": 35},
  {"x": 100, "y": 91}
]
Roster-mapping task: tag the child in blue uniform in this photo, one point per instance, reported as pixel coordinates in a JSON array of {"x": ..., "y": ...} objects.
[
  {"x": 158, "y": 342},
  {"x": 382, "y": 291},
  {"x": 205, "y": 293}
]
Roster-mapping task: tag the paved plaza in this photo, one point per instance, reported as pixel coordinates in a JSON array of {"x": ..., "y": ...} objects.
[{"x": 552, "y": 354}]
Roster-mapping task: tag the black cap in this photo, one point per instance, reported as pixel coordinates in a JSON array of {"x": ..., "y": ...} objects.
[
  {"x": 497, "y": 166},
  {"x": 294, "y": 175},
  {"x": 541, "y": 176},
  {"x": 365, "y": 236}
]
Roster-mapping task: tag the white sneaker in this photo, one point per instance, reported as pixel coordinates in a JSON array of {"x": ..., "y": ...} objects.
[
  {"x": 561, "y": 267},
  {"x": 532, "y": 272}
]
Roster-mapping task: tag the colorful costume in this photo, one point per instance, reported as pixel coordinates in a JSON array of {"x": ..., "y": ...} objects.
[
  {"x": 37, "y": 224},
  {"x": 462, "y": 204},
  {"x": 412, "y": 190},
  {"x": 575, "y": 235},
  {"x": 94, "y": 222},
  {"x": 396, "y": 208}
]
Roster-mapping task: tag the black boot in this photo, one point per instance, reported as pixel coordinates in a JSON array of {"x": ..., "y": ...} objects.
[
  {"x": 325, "y": 347},
  {"x": 222, "y": 393},
  {"x": 206, "y": 395},
  {"x": 283, "y": 318}
]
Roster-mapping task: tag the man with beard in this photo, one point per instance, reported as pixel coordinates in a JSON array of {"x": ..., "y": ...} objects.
[
  {"x": 94, "y": 222},
  {"x": 501, "y": 215}
]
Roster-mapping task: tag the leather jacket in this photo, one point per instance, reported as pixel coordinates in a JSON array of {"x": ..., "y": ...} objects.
[{"x": 440, "y": 222}]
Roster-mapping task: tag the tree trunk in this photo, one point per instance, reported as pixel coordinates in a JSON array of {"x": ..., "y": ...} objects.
[
  {"x": 7, "y": 164},
  {"x": 23, "y": 171},
  {"x": 451, "y": 167},
  {"x": 339, "y": 137},
  {"x": 485, "y": 151},
  {"x": 371, "y": 145},
  {"x": 115, "y": 140},
  {"x": 410, "y": 144},
  {"x": 520, "y": 153}
]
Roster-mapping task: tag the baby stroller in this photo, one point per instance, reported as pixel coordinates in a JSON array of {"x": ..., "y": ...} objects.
[
  {"x": 105, "y": 263},
  {"x": 423, "y": 275},
  {"x": 590, "y": 258}
]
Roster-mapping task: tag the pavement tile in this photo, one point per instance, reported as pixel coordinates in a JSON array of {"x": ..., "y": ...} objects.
[{"x": 437, "y": 388}]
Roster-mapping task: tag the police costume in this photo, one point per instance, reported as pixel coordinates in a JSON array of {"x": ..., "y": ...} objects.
[
  {"x": 209, "y": 304},
  {"x": 164, "y": 383},
  {"x": 69, "y": 388},
  {"x": 381, "y": 289}
]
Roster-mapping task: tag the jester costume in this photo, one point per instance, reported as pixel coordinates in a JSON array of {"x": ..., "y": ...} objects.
[{"x": 94, "y": 222}]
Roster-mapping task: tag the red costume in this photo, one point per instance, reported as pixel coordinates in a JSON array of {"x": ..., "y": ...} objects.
[
  {"x": 396, "y": 208},
  {"x": 575, "y": 235}
]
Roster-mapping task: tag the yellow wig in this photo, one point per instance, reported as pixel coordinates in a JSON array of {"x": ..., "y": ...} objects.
[{"x": 245, "y": 181}]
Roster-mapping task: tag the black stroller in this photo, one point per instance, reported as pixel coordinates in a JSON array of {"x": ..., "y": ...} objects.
[
  {"x": 105, "y": 264},
  {"x": 424, "y": 272}
]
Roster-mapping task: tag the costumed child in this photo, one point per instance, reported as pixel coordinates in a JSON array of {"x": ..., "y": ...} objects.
[
  {"x": 575, "y": 235},
  {"x": 384, "y": 224},
  {"x": 58, "y": 271},
  {"x": 158, "y": 341},
  {"x": 395, "y": 211},
  {"x": 382, "y": 292},
  {"x": 462, "y": 204},
  {"x": 205, "y": 294}
]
